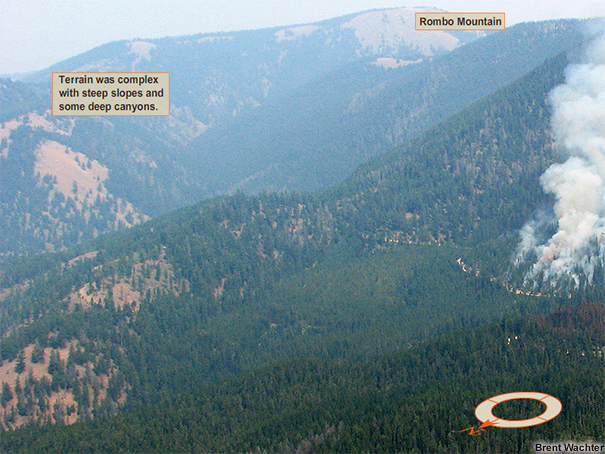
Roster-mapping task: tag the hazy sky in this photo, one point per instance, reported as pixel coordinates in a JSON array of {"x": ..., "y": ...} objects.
[{"x": 37, "y": 33}]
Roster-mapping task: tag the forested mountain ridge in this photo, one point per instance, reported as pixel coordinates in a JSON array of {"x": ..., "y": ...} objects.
[
  {"x": 456, "y": 181},
  {"x": 413, "y": 400},
  {"x": 308, "y": 131},
  {"x": 221, "y": 74},
  {"x": 416, "y": 242},
  {"x": 351, "y": 115}
]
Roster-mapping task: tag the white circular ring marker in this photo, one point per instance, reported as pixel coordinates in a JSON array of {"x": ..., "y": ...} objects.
[{"x": 483, "y": 412}]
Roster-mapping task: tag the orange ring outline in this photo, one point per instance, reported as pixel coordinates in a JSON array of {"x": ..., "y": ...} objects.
[{"x": 483, "y": 412}]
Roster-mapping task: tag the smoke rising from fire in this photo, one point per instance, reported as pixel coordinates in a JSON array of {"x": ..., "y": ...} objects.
[{"x": 577, "y": 249}]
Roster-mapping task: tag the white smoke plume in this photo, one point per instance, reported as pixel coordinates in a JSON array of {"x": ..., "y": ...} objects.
[{"x": 577, "y": 249}]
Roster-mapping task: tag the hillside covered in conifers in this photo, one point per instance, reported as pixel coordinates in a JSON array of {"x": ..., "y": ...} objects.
[
  {"x": 290, "y": 108},
  {"x": 415, "y": 400},
  {"x": 371, "y": 316}
]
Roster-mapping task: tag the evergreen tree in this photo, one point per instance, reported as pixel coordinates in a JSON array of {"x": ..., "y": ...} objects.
[
  {"x": 20, "y": 366},
  {"x": 37, "y": 354},
  {"x": 7, "y": 394}
]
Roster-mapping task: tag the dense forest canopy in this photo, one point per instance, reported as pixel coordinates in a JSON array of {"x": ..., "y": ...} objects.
[{"x": 372, "y": 316}]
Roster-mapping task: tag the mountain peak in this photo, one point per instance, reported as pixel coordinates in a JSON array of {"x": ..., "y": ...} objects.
[
  {"x": 382, "y": 32},
  {"x": 385, "y": 31}
]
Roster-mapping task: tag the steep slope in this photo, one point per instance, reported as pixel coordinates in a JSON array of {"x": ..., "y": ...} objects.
[
  {"x": 414, "y": 243},
  {"x": 220, "y": 75},
  {"x": 473, "y": 178},
  {"x": 309, "y": 105},
  {"x": 318, "y": 134},
  {"x": 214, "y": 77},
  {"x": 409, "y": 401}
]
